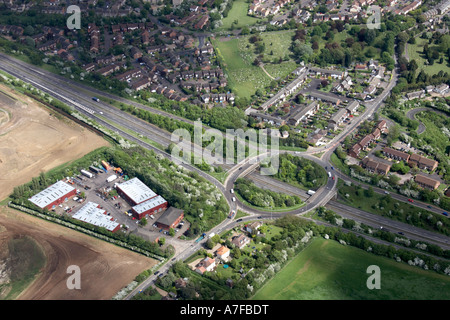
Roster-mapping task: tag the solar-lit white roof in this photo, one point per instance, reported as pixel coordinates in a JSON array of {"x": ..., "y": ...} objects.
[
  {"x": 136, "y": 190},
  {"x": 149, "y": 204},
  {"x": 54, "y": 192},
  {"x": 90, "y": 213}
]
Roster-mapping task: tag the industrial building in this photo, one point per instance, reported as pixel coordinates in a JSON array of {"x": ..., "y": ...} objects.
[
  {"x": 91, "y": 213},
  {"x": 170, "y": 218},
  {"x": 54, "y": 195},
  {"x": 149, "y": 207},
  {"x": 135, "y": 191}
]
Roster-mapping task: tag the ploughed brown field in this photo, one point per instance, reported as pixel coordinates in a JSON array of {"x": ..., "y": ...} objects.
[{"x": 32, "y": 140}]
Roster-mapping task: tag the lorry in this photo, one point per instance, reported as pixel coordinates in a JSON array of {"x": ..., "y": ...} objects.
[
  {"x": 311, "y": 192},
  {"x": 106, "y": 165},
  {"x": 111, "y": 178},
  {"x": 86, "y": 173},
  {"x": 95, "y": 169},
  {"x": 329, "y": 174},
  {"x": 96, "y": 99}
]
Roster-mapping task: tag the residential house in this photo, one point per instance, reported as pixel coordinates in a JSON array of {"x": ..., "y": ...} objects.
[
  {"x": 426, "y": 182},
  {"x": 396, "y": 154},
  {"x": 337, "y": 119},
  {"x": 223, "y": 253},
  {"x": 240, "y": 241},
  {"x": 422, "y": 162},
  {"x": 375, "y": 166},
  {"x": 207, "y": 264},
  {"x": 304, "y": 113}
]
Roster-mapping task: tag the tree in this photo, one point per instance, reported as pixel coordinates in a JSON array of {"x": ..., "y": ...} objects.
[
  {"x": 144, "y": 222},
  {"x": 172, "y": 232},
  {"x": 162, "y": 241}
]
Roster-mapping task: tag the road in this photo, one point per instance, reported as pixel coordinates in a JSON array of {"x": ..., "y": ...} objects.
[{"x": 79, "y": 97}]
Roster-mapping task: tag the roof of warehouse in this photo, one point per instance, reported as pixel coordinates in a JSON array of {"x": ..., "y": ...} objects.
[
  {"x": 90, "y": 213},
  {"x": 136, "y": 190},
  {"x": 149, "y": 204},
  {"x": 169, "y": 216},
  {"x": 51, "y": 194}
]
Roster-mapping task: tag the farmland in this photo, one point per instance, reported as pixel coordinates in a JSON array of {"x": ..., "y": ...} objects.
[{"x": 329, "y": 270}]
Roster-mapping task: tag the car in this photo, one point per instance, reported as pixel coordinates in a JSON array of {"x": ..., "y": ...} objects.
[
  {"x": 401, "y": 233},
  {"x": 445, "y": 214},
  {"x": 429, "y": 207},
  {"x": 260, "y": 217},
  {"x": 410, "y": 200},
  {"x": 156, "y": 273},
  {"x": 238, "y": 220},
  {"x": 333, "y": 177},
  {"x": 160, "y": 230},
  {"x": 386, "y": 192}
]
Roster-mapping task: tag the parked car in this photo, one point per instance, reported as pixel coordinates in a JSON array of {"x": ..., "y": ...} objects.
[{"x": 410, "y": 200}]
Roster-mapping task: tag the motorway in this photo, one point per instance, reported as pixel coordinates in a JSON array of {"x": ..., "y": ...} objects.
[{"x": 79, "y": 97}]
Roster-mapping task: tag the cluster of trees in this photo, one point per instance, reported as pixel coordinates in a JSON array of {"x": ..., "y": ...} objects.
[
  {"x": 277, "y": 250},
  {"x": 263, "y": 197},
  {"x": 332, "y": 217},
  {"x": 301, "y": 172},
  {"x": 386, "y": 206}
]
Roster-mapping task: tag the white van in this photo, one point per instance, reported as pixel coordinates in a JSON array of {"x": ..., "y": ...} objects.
[{"x": 234, "y": 199}]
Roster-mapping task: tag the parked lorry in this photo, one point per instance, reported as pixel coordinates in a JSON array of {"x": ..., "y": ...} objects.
[
  {"x": 95, "y": 169},
  {"x": 86, "y": 173},
  {"x": 111, "y": 178},
  {"x": 106, "y": 165}
]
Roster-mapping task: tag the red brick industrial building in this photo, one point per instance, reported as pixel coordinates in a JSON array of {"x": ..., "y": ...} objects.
[{"x": 54, "y": 195}]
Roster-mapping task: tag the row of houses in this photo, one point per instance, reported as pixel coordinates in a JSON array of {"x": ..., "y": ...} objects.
[
  {"x": 375, "y": 166},
  {"x": 414, "y": 159},
  {"x": 338, "y": 118},
  {"x": 218, "y": 98},
  {"x": 381, "y": 127},
  {"x": 287, "y": 90}
]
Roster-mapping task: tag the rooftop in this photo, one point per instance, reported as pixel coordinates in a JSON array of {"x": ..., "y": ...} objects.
[
  {"x": 136, "y": 190},
  {"x": 92, "y": 214},
  {"x": 51, "y": 194},
  {"x": 149, "y": 204}
]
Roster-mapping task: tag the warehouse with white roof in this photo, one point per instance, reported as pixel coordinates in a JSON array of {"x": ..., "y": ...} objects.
[
  {"x": 149, "y": 207},
  {"x": 135, "y": 191},
  {"x": 54, "y": 195},
  {"x": 91, "y": 213}
]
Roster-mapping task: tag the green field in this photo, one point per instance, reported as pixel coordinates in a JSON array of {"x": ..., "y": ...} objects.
[
  {"x": 329, "y": 270},
  {"x": 238, "y": 55},
  {"x": 415, "y": 53},
  {"x": 238, "y": 12}
]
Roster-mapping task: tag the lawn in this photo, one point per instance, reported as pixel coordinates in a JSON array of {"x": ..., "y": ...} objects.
[
  {"x": 239, "y": 54},
  {"x": 243, "y": 77},
  {"x": 415, "y": 53},
  {"x": 329, "y": 270},
  {"x": 238, "y": 12}
]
